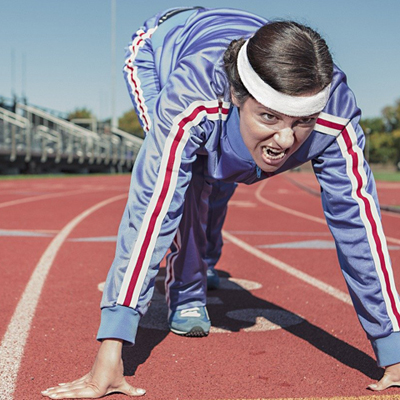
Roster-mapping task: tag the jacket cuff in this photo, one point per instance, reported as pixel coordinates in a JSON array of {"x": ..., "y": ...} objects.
[
  {"x": 387, "y": 349},
  {"x": 119, "y": 322}
]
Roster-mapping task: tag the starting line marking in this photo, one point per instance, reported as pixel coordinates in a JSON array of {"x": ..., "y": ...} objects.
[
  {"x": 372, "y": 397},
  {"x": 338, "y": 294},
  {"x": 14, "y": 340},
  {"x": 299, "y": 213},
  {"x": 41, "y": 197}
]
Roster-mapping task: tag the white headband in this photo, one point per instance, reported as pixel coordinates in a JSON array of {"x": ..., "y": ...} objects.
[{"x": 295, "y": 106}]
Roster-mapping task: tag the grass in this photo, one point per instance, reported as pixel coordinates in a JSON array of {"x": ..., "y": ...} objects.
[
  {"x": 45, "y": 176},
  {"x": 393, "y": 176},
  {"x": 380, "y": 174}
]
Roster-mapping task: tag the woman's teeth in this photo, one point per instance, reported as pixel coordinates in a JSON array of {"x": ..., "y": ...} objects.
[{"x": 273, "y": 154}]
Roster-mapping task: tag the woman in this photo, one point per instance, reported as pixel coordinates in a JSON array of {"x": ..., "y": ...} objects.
[{"x": 225, "y": 95}]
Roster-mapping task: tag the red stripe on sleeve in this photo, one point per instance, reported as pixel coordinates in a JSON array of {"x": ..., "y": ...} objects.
[
  {"x": 330, "y": 124},
  {"x": 371, "y": 220},
  {"x": 160, "y": 201}
]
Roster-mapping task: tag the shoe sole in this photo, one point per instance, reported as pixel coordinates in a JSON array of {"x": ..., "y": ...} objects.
[
  {"x": 196, "y": 331},
  {"x": 212, "y": 286}
]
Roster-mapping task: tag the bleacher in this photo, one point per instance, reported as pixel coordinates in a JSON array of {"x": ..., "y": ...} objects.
[{"x": 36, "y": 141}]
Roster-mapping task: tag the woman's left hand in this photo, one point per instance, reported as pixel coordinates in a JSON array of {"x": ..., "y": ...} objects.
[{"x": 390, "y": 378}]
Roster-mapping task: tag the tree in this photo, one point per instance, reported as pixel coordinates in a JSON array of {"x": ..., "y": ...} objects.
[
  {"x": 129, "y": 123},
  {"x": 372, "y": 125},
  {"x": 383, "y": 135},
  {"x": 396, "y": 145},
  {"x": 80, "y": 113},
  {"x": 391, "y": 115},
  {"x": 382, "y": 148}
]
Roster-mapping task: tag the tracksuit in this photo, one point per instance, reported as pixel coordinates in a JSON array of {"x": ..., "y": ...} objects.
[{"x": 175, "y": 75}]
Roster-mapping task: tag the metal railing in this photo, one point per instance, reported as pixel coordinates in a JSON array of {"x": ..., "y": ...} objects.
[
  {"x": 32, "y": 134},
  {"x": 15, "y": 134}
]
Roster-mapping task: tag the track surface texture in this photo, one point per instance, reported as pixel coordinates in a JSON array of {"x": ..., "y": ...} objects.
[{"x": 282, "y": 323}]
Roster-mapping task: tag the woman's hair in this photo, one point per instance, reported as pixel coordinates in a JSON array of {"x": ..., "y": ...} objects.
[{"x": 292, "y": 58}]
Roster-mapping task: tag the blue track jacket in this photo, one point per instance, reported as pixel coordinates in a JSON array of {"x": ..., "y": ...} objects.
[{"x": 192, "y": 115}]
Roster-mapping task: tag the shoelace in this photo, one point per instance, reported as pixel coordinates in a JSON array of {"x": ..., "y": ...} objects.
[{"x": 191, "y": 312}]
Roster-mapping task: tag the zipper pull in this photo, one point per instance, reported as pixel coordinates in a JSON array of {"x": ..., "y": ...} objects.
[{"x": 258, "y": 171}]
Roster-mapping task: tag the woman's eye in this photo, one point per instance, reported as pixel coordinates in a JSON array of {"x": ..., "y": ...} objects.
[
  {"x": 306, "y": 121},
  {"x": 269, "y": 117}
]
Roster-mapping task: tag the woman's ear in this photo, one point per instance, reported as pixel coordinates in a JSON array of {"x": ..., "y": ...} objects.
[{"x": 234, "y": 99}]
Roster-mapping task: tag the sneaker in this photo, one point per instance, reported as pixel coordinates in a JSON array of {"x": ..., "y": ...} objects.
[
  {"x": 212, "y": 279},
  {"x": 192, "y": 322}
]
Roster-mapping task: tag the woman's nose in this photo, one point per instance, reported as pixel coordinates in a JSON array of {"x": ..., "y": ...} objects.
[{"x": 284, "y": 138}]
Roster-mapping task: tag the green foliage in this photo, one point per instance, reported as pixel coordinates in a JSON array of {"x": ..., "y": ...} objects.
[
  {"x": 383, "y": 136},
  {"x": 372, "y": 125},
  {"x": 382, "y": 148},
  {"x": 391, "y": 115},
  {"x": 80, "y": 113},
  {"x": 129, "y": 123}
]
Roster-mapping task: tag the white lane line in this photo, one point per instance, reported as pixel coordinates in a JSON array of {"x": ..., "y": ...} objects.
[
  {"x": 14, "y": 340},
  {"x": 338, "y": 294},
  {"x": 41, "y": 197},
  {"x": 299, "y": 213},
  {"x": 281, "y": 233},
  {"x": 23, "y": 233},
  {"x": 283, "y": 208},
  {"x": 240, "y": 203},
  {"x": 392, "y": 240},
  {"x": 95, "y": 239}
]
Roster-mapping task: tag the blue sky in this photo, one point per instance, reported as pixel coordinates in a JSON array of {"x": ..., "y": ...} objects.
[{"x": 58, "y": 52}]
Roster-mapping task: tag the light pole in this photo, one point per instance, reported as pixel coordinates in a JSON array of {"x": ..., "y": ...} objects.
[
  {"x": 114, "y": 122},
  {"x": 367, "y": 143}
]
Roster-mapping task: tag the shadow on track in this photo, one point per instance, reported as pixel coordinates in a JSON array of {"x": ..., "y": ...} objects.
[{"x": 239, "y": 309}]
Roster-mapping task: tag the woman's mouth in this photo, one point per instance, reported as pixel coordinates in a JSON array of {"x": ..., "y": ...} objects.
[{"x": 273, "y": 155}]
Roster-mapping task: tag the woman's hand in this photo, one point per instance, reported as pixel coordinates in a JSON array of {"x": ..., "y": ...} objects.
[
  {"x": 390, "y": 378},
  {"x": 105, "y": 377}
]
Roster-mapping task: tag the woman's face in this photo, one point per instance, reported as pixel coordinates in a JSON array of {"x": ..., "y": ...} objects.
[{"x": 271, "y": 137}]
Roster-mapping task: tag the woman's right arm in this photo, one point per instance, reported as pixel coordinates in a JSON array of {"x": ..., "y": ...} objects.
[
  {"x": 105, "y": 377},
  {"x": 183, "y": 116},
  {"x": 161, "y": 174}
]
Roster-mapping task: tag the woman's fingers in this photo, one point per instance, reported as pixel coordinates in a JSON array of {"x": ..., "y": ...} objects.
[
  {"x": 81, "y": 388},
  {"x": 77, "y": 393},
  {"x": 390, "y": 378},
  {"x": 105, "y": 377},
  {"x": 90, "y": 393},
  {"x": 64, "y": 387},
  {"x": 129, "y": 390},
  {"x": 68, "y": 391}
]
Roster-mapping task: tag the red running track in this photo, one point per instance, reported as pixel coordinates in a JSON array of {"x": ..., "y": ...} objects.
[{"x": 282, "y": 325}]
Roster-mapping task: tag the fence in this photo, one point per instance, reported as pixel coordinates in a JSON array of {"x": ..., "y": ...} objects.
[{"x": 32, "y": 140}]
